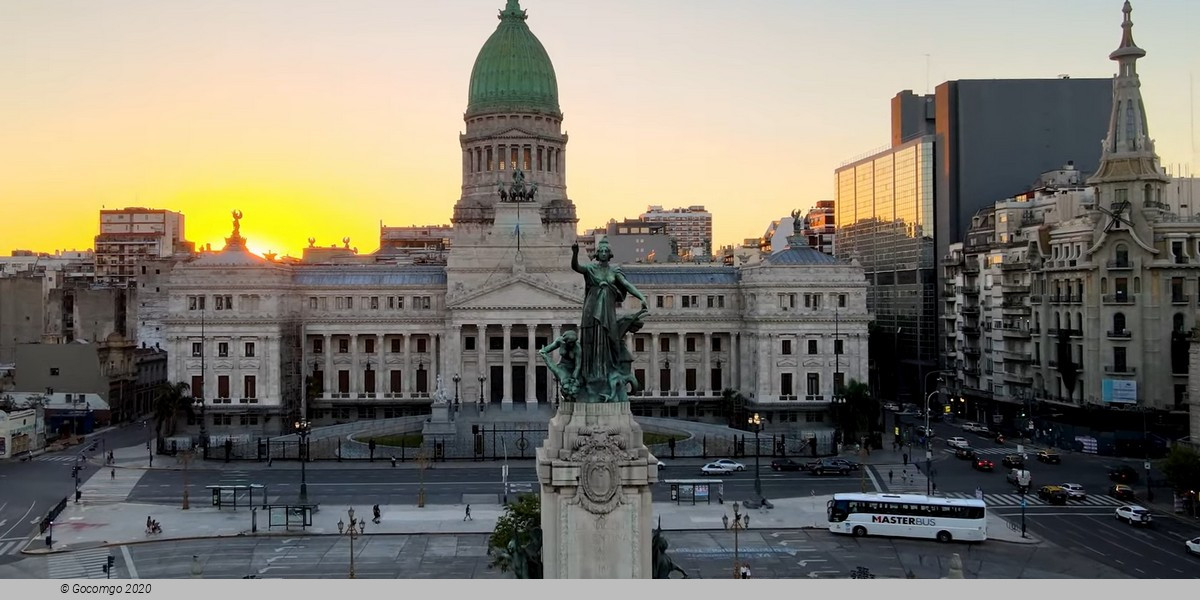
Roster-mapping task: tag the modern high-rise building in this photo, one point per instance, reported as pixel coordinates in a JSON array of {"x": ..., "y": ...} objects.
[
  {"x": 818, "y": 229},
  {"x": 690, "y": 227},
  {"x": 128, "y": 235}
]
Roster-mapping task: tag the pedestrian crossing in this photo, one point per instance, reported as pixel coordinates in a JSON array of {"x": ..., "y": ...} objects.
[
  {"x": 110, "y": 486},
  {"x": 80, "y": 564},
  {"x": 11, "y": 546},
  {"x": 1011, "y": 500},
  {"x": 59, "y": 458},
  {"x": 983, "y": 451}
]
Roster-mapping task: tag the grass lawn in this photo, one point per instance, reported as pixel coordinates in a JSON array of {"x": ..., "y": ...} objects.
[
  {"x": 651, "y": 439},
  {"x": 408, "y": 440}
]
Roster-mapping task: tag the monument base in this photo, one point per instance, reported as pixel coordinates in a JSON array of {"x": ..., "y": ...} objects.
[{"x": 595, "y": 474}]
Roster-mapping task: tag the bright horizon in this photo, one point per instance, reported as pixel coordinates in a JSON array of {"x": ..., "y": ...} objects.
[{"x": 322, "y": 120}]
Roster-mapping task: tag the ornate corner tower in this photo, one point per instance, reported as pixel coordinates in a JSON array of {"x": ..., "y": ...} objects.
[
  {"x": 1129, "y": 181},
  {"x": 514, "y": 206}
]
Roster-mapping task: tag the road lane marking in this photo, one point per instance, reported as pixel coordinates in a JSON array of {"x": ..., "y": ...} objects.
[
  {"x": 19, "y": 521},
  {"x": 129, "y": 568}
]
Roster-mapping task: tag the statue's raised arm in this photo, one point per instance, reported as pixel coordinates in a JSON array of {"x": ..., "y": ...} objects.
[{"x": 575, "y": 266}]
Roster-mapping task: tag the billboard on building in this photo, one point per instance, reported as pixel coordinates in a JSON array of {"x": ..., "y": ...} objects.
[{"x": 1120, "y": 391}]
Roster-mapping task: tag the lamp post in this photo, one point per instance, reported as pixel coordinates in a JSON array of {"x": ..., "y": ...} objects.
[
  {"x": 203, "y": 379},
  {"x": 456, "y": 402},
  {"x": 357, "y": 528},
  {"x": 199, "y": 402},
  {"x": 740, "y": 522},
  {"x": 756, "y": 422},
  {"x": 928, "y": 451},
  {"x": 1146, "y": 455},
  {"x": 838, "y": 401},
  {"x": 303, "y": 428}
]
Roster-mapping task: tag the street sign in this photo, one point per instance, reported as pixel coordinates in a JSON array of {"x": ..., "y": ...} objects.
[
  {"x": 928, "y": 455},
  {"x": 1020, "y": 449}
]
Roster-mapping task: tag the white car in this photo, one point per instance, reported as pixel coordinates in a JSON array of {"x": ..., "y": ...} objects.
[
  {"x": 713, "y": 468},
  {"x": 732, "y": 465},
  {"x": 1074, "y": 491},
  {"x": 1193, "y": 546},
  {"x": 958, "y": 442},
  {"x": 1133, "y": 514}
]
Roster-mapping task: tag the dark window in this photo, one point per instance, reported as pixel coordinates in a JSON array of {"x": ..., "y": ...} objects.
[
  {"x": 54, "y": 371},
  {"x": 369, "y": 381},
  {"x": 250, "y": 387},
  {"x": 197, "y": 386},
  {"x": 421, "y": 344},
  {"x": 495, "y": 343},
  {"x": 664, "y": 380},
  {"x": 690, "y": 379},
  {"x": 785, "y": 384},
  {"x": 812, "y": 346},
  {"x": 343, "y": 381},
  {"x": 716, "y": 344},
  {"x": 1118, "y": 322},
  {"x": 691, "y": 344},
  {"x": 343, "y": 346},
  {"x": 1119, "y": 359},
  {"x": 837, "y": 346},
  {"x": 469, "y": 343},
  {"x": 396, "y": 345},
  {"x": 814, "y": 384},
  {"x": 249, "y": 349},
  {"x": 639, "y": 344},
  {"x": 317, "y": 346},
  {"x": 395, "y": 384},
  {"x": 223, "y": 349},
  {"x": 222, "y": 386},
  {"x": 318, "y": 381},
  {"x": 715, "y": 382},
  {"x": 842, "y": 300},
  {"x": 197, "y": 349},
  {"x": 787, "y": 347},
  {"x": 540, "y": 342},
  {"x": 664, "y": 344},
  {"x": 518, "y": 342},
  {"x": 370, "y": 343}
]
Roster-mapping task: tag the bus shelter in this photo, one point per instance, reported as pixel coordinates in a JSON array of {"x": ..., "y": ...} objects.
[{"x": 696, "y": 491}]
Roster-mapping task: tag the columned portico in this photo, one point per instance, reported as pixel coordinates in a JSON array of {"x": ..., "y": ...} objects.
[
  {"x": 507, "y": 397},
  {"x": 705, "y": 372},
  {"x": 531, "y": 366}
]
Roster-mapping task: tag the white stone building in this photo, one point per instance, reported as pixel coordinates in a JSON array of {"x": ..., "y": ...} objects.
[
  {"x": 371, "y": 340},
  {"x": 128, "y": 235}
]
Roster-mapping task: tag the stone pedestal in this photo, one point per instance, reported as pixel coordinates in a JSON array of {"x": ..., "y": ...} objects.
[{"x": 595, "y": 476}]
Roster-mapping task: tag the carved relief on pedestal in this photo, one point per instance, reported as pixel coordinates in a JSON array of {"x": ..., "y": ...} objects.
[{"x": 599, "y": 452}]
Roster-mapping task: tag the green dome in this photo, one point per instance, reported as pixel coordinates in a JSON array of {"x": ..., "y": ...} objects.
[{"x": 513, "y": 71}]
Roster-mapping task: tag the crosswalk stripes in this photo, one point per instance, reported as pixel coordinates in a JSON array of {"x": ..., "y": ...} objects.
[
  {"x": 70, "y": 458},
  {"x": 80, "y": 564},
  {"x": 982, "y": 451},
  {"x": 11, "y": 546},
  {"x": 1010, "y": 500},
  {"x": 103, "y": 488}
]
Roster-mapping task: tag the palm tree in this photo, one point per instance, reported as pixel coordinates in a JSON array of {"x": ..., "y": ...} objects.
[{"x": 172, "y": 399}]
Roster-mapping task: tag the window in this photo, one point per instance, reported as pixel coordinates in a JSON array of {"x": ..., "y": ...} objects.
[
  {"x": 197, "y": 349},
  {"x": 318, "y": 346},
  {"x": 839, "y": 382},
  {"x": 658, "y": 302},
  {"x": 223, "y": 349},
  {"x": 249, "y": 420},
  {"x": 369, "y": 381},
  {"x": 370, "y": 345},
  {"x": 1119, "y": 358},
  {"x": 496, "y": 343},
  {"x": 785, "y": 384},
  {"x": 250, "y": 387},
  {"x": 664, "y": 380},
  {"x": 374, "y": 302},
  {"x": 396, "y": 345},
  {"x": 421, "y": 345},
  {"x": 222, "y": 419},
  {"x": 396, "y": 302},
  {"x": 312, "y": 303},
  {"x": 1121, "y": 287},
  {"x": 812, "y": 346},
  {"x": 318, "y": 380},
  {"x": 425, "y": 302},
  {"x": 1177, "y": 294},
  {"x": 396, "y": 381},
  {"x": 639, "y": 344},
  {"x": 343, "y": 346},
  {"x": 197, "y": 386},
  {"x": 223, "y": 302},
  {"x": 343, "y": 381},
  {"x": 787, "y": 301},
  {"x": 1119, "y": 323},
  {"x": 691, "y": 344},
  {"x": 841, "y": 300},
  {"x": 518, "y": 342},
  {"x": 195, "y": 302},
  {"x": 716, "y": 344},
  {"x": 787, "y": 347},
  {"x": 664, "y": 344},
  {"x": 814, "y": 384},
  {"x": 469, "y": 343},
  {"x": 249, "y": 350},
  {"x": 222, "y": 386},
  {"x": 837, "y": 346}
]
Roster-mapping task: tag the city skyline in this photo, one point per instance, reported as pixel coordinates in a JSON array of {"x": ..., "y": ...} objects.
[{"x": 305, "y": 117}]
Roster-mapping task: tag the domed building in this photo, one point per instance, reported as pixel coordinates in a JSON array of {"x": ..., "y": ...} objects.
[{"x": 335, "y": 343}]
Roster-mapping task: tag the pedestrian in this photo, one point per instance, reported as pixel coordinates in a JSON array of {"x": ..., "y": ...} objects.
[
  {"x": 978, "y": 494},
  {"x": 393, "y": 462},
  {"x": 375, "y": 511},
  {"x": 934, "y": 486},
  {"x": 113, "y": 474},
  {"x": 467, "y": 516},
  {"x": 889, "y": 476},
  {"x": 905, "y": 459}
]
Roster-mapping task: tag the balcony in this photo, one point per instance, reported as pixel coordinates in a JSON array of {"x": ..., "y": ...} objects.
[
  {"x": 1016, "y": 265},
  {"x": 1119, "y": 265},
  {"x": 948, "y": 294},
  {"x": 1122, "y": 334},
  {"x": 1120, "y": 370},
  {"x": 973, "y": 352},
  {"x": 952, "y": 261},
  {"x": 1015, "y": 357},
  {"x": 1119, "y": 298},
  {"x": 1018, "y": 378},
  {"x": 1016, "y": 289},
  {"x": 971, "y": 267},
  {"x": 971, "y": 371},
  {"x": 1015, "y": 332},
  {"x": 1181, "y": 299},
  {"x": 970, "y": 310},
  {"x": 969, "y": 329},
  {"x": 967, "y": 290},
  {"x": 814, "y": 398}
]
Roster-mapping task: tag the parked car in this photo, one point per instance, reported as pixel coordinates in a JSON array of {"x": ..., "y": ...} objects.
[
  {"x": 713, "y": 468},
  {"x": 831, "y": 465},
  {"x": 921, "y": 432},
  {"x": 965, "y": 453},
  {"x": 1053, "y": 494},
  {"x": 983, "y": 464},
  {"x": 1193, "y": 546},
  {"x": 1123, "y": 474},
  {"x": 1074, "y": 491},
  {"x": 785, "y": 464},
  {"x": 892, "y": 406},
  {"x": 733, "y": 465},
  {"x": 957, "y": 442},
  {"x": 1134, "y": 515},
  {"x": 972, "y": 426},
  {"x": 1013, "y": 461},
  {"x": 1121, "y": 491},
  {"x": 1049, "y": 457}
]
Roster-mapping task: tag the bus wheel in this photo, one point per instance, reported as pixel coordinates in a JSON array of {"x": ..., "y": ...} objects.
[
  {"x": 944, "y": 536},
  {"x": 860, "y": 531}
]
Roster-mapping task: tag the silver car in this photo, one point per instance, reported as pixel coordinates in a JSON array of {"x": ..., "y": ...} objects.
[{"x": 1074, "y": 491}]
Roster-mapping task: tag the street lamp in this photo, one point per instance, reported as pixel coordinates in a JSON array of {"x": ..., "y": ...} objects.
[
  {"x": 199, "y": 402},
  {"x": 482, "y": 378},
  {"x": 740, "y": 522},
  {"x": 838, "y": 403},
  {"x": 928, "y": 452},
  {"x": 456, "y": 380},
  {"x": 357, "y": 528},
  {"x": 303, "y": 428},
  {"x": 756, "y": 422}
]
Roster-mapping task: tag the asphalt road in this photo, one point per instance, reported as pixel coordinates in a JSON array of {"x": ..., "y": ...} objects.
[
  {"x": 703, "y": 554},
  {"x": 447, "y": 484}
]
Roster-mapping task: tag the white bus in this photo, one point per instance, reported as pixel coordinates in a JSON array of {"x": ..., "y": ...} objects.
[{"x": 908, "y": 515}]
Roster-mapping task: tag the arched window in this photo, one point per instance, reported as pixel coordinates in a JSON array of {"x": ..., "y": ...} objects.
[
  {"x": 1122, "y": 252},
  {"x": 1147, "y": 195},
  {"x": 1057, "y": 321},
  {"x": 1177, "y": 324},
  {"x": 1103, "y": 285},
  {"x": 1119, "y": 322}
]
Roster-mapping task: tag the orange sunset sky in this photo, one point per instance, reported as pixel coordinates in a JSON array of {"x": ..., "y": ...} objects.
[{"x": 323, "y": 119}]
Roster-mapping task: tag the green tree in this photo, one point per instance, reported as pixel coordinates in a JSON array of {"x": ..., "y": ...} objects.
[
  {"x": 1182, "y": 468},
  {"x": 173, "y": 399},
  {"x": 515, "y": 546},
  {"x": 858, "y": 415},
  {"x": 731, "y": 406}
]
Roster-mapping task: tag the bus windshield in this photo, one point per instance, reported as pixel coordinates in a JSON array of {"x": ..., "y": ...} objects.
[{"x": 838, "y": 509}]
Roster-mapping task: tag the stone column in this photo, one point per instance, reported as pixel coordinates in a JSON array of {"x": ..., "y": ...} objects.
[
  {"x": 432, "y": 349},
  {"x": 678, "y": 381},
  {"x": 356, "y": 369},
  {"x": 796, "y": 370},
  {"x": 772, "y": 378},
  {"x": 706, "y": 371},
  {"x": 760, "y": 354},
  {"x": 531, "y": 368},
  {"x": 379, "y": 340},
  {"x": 507, "y": 397},
  {"x": 329, "y": 380},
  {"x": 456, "y": 356},
  {"x": 481, "y": 348},
  {"x": 652, "y": 370},
  {"x": 407, "y": 374}
]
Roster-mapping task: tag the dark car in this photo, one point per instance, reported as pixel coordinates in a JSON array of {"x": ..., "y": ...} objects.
[
  {"x": 983, "y": 464},
  {"x": 1053, "y": 494},
  {"x": 1013, "y": 461},
  {"x": 1123, "y": 474},
  {"x": 831, "y": 465},
  {"x": 785, "y": 464},
  {"x": 964, "y": 453},
  {"x": 1049, "y": 457},
  {"x": 1121, "y": 491}
]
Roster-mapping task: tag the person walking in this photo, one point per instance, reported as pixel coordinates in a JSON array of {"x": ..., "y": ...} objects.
[
  {"x": 889, "y": 476},
  {"x": 906, "y": 459},
  {"x": 467, "y": 516},
  {"x": 113, "y": 474}
]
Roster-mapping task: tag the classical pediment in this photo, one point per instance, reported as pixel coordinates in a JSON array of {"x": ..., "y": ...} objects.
[
  {"x": 812, "y": 362},
  {"x": 516, "y": 292}
]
